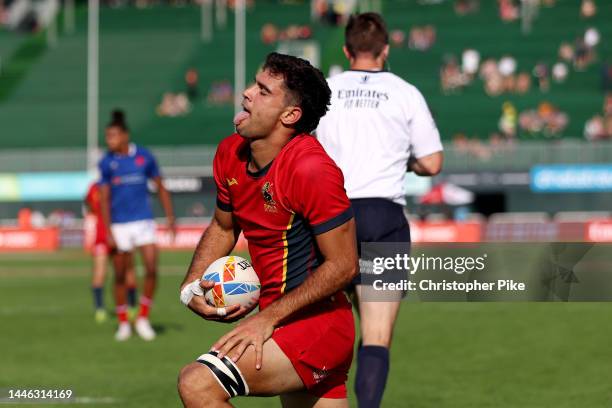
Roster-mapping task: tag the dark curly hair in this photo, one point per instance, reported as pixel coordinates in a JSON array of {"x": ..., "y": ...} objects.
[{"x": 305, "y": 85}]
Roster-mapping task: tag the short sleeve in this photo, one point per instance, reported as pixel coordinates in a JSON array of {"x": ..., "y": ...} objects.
[
  {"x": 105, "y": 172},
  {"x": 425, "y": 137},
  {"x": 317, "y": 193},
  {"x": 223, "y": 198},
  {"x": 152, "y": 169}
]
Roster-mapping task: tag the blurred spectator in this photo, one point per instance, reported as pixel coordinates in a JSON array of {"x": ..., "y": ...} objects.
[
  {"x": 494, "y": 85},
  {"x": 61, "y": 218},
  {"x": 594, "y": 128},
  {"x": 588, "y": 8},
  {"x": 269, "y": 34},
  {"x": 221, "y": 93},
  {"x": 582, "y": 55},
  {"x": 397, "y": 38},
  {"x": 24, "y": 218},
  {"x": 607, "y": 105},
  {"x": 507, "y": 68},
  {"x": 460, "y": 143},
  {"x": 508, "y": 120},
  {"x": 192, "y": 79},
  {"x": 540, "y": 71},
  {"x": 508, "y": 10},
  {"x": 547, "y": 119},
  {"x": 488, "y": 69},
  {"x": 591, "y": 37},
  {"x": 173, "y": 105},
  {"x": 451, "y": 77},
  {"x": 27, "y": 218},
  {"x": 523, "y": 83},
  {"x": 606, "y": 77},
  {"x": 464, "y": 7},
  {"x": 470, "y": 60},
  {"x": 327, "y": 13},
  {"x": 599, "y": 127},
  {"x": 566, "y": 52},
  {"x": 422, "y": 38},
  {"x": 560, "y": 72}
]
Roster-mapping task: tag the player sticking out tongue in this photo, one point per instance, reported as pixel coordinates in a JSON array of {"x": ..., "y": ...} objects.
[{"x": 240, "y": 116}]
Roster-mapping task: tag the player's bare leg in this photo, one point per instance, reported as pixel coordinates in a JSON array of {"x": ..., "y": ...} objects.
[
  {"x": 131, "y": 284},
  {"x": 149, "y": 258},
  {"x": 99, "y": 268},
  {"x": 100, "y": 260},
  {"x": 119, "y": 263},
  {"x": 377, "y": 320},
  {"x": 198, "y": 387}
]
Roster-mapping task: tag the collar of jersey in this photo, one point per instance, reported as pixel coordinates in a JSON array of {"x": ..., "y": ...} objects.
[
  {"x": 367, "y": 70},
  {"x": 131, "y": 151},
  {"x": 259, "y": 173}
]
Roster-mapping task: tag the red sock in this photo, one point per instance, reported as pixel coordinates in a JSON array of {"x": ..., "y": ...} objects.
[
  {"x": 121, "y": 311},
  {"x": 145, "y": 307}
]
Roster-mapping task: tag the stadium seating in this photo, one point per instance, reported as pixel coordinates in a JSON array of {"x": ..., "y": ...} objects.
[{"x": 145, "y": 53}]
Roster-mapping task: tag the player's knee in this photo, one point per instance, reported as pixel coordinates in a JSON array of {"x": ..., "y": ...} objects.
[
  {"x": 195, "y": 382},
  {"x": 377, "y": 335},
  {"x": 120, "y": 278},
  {"x": 151, "y": 272}
]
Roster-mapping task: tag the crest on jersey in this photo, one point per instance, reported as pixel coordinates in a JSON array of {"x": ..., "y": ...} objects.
[
  {"x": 268, "y": 196},
  {"x": 140, "y": 161}
]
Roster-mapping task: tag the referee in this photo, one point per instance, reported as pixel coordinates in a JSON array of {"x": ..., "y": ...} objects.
[{"x": 377, "y": 128}]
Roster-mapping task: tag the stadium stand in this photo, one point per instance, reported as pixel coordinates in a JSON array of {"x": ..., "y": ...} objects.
[{"x": 165, "y": 41}]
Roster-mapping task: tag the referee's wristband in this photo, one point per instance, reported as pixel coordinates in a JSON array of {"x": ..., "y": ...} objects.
[{"x": 191, "y": 290}]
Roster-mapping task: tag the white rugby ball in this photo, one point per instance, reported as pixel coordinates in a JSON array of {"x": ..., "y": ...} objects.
[{"x": 235, "y": 283}]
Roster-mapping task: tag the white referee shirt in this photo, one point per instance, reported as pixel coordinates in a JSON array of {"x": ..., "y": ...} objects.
[{"x": 375, "y": 123}]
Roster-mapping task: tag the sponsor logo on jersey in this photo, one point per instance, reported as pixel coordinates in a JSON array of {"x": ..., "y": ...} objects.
[{"x": 268, "y": 196}]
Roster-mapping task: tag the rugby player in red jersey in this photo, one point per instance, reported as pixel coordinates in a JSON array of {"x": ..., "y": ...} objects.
[{"x": 276, "y": 184}]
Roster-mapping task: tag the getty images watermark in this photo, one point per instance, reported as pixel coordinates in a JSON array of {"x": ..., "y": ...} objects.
[
  {"x": 458, "y": 265},
  {"x": 543, "y": 271}
]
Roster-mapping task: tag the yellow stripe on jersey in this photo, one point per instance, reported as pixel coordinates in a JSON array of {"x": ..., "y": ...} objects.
[{"x": 286, "y": 252}]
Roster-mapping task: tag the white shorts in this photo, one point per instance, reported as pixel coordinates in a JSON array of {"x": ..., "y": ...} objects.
[{"x": 130, "y": 235}]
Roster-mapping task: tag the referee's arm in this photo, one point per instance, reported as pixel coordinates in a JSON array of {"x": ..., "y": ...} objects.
[{"x": 429, "y": 165}]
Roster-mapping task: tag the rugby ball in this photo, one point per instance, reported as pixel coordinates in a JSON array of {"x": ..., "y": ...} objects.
[{"x": 235, "y": 283}]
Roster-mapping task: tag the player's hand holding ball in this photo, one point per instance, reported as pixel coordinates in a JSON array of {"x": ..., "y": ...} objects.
[{"x": 228, "y": 290}]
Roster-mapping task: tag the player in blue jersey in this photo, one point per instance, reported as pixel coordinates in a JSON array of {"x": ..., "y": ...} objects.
[{"x": 128, "y": 218}]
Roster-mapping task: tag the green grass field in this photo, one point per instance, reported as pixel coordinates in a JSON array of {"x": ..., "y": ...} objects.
[{"x": 445, "y": 354}]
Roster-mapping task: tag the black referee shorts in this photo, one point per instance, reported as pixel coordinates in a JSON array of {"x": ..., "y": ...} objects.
[{"x": 378, "y": 221}]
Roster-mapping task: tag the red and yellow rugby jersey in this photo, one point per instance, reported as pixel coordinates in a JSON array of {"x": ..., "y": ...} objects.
[{"x": 281, "y": 208}]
